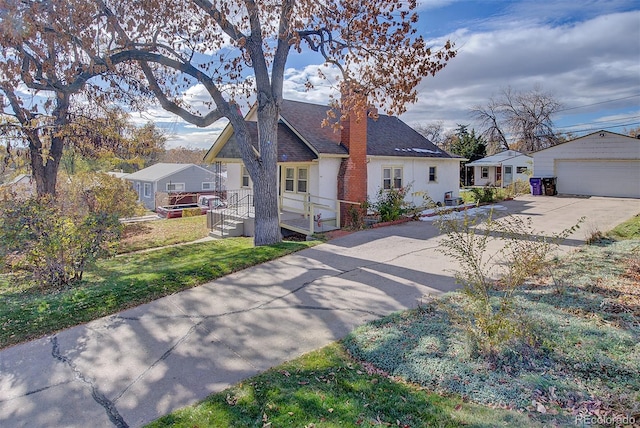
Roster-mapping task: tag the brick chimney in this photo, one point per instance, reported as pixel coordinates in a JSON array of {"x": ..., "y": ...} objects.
[{"x": 352, "y": 175}]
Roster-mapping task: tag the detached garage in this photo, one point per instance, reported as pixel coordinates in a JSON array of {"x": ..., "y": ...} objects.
[{"x": 600, "y": 164}]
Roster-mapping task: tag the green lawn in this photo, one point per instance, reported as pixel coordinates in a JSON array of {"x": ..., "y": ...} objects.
[
  {"x": 163, "y": 232},
  {"x": 327, "y": 388},
  {"x": 28, "y": 312},
  {"x": 415, "y": 369}
]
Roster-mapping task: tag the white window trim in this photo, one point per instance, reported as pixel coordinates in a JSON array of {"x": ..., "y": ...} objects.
[
  {"x": 147, "y": 194},
  {"x": 482, "y": 172},
  {"x": 296, "y": 180},
  {"x": 305, "y": 180},
  {"x": 244, "y": 172},
  {"x": 393, "y": 169},
  {"x": 209, "y": 187},
  {"x": 182, "y": 185}
]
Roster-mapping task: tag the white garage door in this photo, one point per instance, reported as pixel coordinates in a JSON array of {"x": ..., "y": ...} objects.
[{"x": 599, "y": 178}]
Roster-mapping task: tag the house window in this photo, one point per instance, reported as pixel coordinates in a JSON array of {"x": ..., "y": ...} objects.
[
  {"x": 207, "y": 185},
  {"x": 521, "y": 169},
  {"x": 485, "y": 172},
  {"x": 432, "y": 174},
  {"x": 391, "y": 178},
  {"x": 175, "y": 187},
  {"x": 302, "y": 180},
  {"x": 147, "y": 190},
  {"x": 289, "y": 179},
  {"x": 245, "y": 177},
  {"x": 296, "y": 179}
]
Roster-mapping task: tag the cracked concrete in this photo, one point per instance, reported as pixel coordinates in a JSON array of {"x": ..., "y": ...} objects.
[{"x": 130, "y": 368}]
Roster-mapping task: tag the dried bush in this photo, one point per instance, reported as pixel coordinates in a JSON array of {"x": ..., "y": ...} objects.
[{"x": 490, "y": 278}]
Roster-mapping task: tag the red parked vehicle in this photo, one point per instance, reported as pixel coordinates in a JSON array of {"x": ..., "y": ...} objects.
[{"x": 205, "y": 203}]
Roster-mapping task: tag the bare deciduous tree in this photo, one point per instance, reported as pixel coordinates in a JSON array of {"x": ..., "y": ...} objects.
[
  {"x": 518, "y": 120},
  {"x": 433, "y": 132}
]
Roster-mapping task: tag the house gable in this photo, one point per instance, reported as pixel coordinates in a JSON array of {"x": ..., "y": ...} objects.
[{"x": 290, "y": 147}]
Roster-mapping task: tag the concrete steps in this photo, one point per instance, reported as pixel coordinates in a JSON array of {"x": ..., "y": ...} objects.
[{"x": 231, "y": 227}]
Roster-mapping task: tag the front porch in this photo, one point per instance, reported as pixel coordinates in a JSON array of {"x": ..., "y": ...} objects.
[
  {"x": 309, "y": 214},
  {"x": 303, "y": 213}
]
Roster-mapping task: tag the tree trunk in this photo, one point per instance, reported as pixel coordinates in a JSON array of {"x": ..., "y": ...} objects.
[
  {"x": 45, "y": 164},
  {"x": 44, "y": 167},
  {"x": 265, "y": 182}
]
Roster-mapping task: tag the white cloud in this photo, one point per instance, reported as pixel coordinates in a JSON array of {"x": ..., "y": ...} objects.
[
  {"x": 323, "y": 87},
  {"x": 581, "y": 63}
]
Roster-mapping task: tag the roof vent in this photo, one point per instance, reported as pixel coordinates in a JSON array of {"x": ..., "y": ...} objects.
[{"x": 602, "y": 134}]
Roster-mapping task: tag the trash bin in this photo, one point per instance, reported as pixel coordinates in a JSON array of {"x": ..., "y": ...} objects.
[
  {"x": 549, "y": 184},
  {"x": 536, "y": 185}
]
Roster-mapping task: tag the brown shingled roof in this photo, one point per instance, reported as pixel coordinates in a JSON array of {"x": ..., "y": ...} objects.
[
  {"x": 386, "y": 136},
  {"x": 302, "y": 137},
  {"x": 306, "y": 119}
]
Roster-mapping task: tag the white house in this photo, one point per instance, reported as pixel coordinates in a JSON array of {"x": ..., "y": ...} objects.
[
  {"x": 502, "y": 169},
  {"x": 599, "y": 164},
  {"x": 320, "y": 166},
  {"x": 174, "y": 178}
]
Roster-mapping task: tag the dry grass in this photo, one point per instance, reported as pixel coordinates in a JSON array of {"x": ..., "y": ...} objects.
[{"x": 160, "y": 233}]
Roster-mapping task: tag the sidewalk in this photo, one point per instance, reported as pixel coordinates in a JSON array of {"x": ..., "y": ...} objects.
[{"x": 131, "y": 368}]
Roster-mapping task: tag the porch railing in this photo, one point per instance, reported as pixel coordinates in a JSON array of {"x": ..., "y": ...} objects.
[
  {"x": 239, "y": 206},
  {"x": 316, "y": 209}
]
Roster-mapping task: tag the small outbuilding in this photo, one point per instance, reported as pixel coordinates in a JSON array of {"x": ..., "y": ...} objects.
[
  {"x": 501, "y": 169},
  {"x": 599, "y": 164}
]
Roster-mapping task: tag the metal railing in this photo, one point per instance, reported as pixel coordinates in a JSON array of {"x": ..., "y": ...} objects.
[{"x": 239, "y": 206}]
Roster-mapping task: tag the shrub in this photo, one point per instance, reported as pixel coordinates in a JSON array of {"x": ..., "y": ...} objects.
[
  {"x": 84, "y": 193},
  {"x": 390, "y": 204},
  {"x": 56, "y": 240},
  {"x": 356, "y": 215},
  {"x": 518, "y": 187},
  {"x": 489, "y": 317},
  {"x": 486, "y": 194}
]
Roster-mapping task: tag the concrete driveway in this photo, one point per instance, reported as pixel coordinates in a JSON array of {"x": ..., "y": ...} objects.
[{"x": 133, "y": 367}]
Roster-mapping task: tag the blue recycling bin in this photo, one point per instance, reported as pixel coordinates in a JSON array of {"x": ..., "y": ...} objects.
[{"x": 536, "y": 185}]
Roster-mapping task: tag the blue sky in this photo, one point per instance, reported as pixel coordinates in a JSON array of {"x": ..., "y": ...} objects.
[{"x": 586, "y": 53}]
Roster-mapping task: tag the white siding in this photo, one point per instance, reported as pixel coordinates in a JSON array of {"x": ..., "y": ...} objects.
[
  {"x": 477, "y": 176},
  {"x": 416, "y": 174},
  {"x": 234, "y": 176},
  {"x": 519, "y": 161},
  {"x": 326, "y": 173}
]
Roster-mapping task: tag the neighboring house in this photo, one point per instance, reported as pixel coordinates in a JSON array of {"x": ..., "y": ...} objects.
[
  {"x": 22, "y": 185},
  {"x": 599, "y": 164},
  {"x": 173, "y": 178},
  {"x": 502, "y": 169},
  {"x": 318, "y": 165}
]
